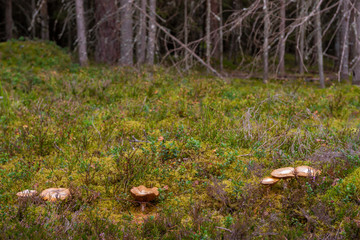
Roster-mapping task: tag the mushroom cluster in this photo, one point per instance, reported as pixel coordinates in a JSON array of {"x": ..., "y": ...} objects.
[
  {"x": 51, "y": 194},
  {"x": 289, "y": 172}
]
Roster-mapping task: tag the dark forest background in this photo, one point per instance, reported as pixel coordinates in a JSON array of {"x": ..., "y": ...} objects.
[{"x": 266, "y": 37}]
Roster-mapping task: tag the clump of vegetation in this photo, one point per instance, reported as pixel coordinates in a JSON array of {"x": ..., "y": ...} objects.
[{"x": 203, "y": 143}]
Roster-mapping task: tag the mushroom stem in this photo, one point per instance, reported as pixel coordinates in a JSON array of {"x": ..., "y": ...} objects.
[
  {"x": 143, "y": 205},
  {"x": 285, "y": 185}
]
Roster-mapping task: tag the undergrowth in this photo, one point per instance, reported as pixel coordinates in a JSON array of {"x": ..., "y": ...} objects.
[{"x": 204, "y": 143}]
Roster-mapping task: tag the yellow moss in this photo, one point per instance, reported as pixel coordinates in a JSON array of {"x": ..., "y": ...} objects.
[
  {"x": 228, "y": 186},
  {"x": 132, "y": 126}
]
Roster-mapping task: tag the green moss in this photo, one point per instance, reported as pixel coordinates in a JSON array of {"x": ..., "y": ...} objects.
[{"x": 36, "y": 55}]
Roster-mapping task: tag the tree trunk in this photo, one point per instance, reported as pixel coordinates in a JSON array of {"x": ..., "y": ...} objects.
[
  {"x": 337, "y": 47},
  {"x": 107, "y": 44},
  {"x": 266, "y": 41},
  {"x": 214, "y": 26},
  {"x": 44, "y": 16},
  {"x": 344, "y": 32},
  {"x": 356, "y": 77},
  {"x": 126, "y": 33},
  {"x": 8, "y": 20},
  {"x": 81, "y": 32},
  {"x": 221, "y": 43},
  {"x": 208, "y": 29},
  {"x": 141, "y": 41},
  {"x": 318, "y": 39},
  {"x": 33, "y": 10},
  {"x": 301, "y": 40},
  {"x": 152, "y": 33},
  {"x": 282, "y": 37},
  {"x": 186, "y": 34}
]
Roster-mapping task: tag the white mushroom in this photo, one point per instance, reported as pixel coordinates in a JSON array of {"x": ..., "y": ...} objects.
[
  {"x": 27, "y": 193},
  {"x": 53, "y": 194}
]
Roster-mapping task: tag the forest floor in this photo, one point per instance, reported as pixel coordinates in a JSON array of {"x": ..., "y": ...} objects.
[{"x": 204, "y": 143}]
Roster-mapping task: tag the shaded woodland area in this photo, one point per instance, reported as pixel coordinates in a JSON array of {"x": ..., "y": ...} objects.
[{"x": 270, "y": 37}]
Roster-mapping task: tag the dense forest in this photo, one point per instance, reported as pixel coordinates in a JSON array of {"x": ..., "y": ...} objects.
[
  {"x": 273, "y": 37},
  {"x": 179, "y": 119}
]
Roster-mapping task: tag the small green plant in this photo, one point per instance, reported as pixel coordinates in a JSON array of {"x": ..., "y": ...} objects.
[{"x": 193, "y": 144}]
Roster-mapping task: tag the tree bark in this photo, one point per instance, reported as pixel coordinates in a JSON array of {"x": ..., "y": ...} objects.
[
  {"x": 266, "y": 41},
  {"x": 33, "y": 10},
  {"x": 282, "y": 37},
  {"x": 344, "y": 33},
  {"x": 208, "y": 29},
  {"x": 126, "y": 33},
  {"x": 301, "y": 41},
  {"x": 318, "y": 39},
  {"x": 107, "y": 44},
  {"x": 337, "y": 46},
  {"x": 81, "y": 32},
  {"x": 141, "y": 41},
  {"x": 186, "y": 34},
  {"x": 214, "y": 26},
  {"x": 152, "y": 33},
  {"x": 356, "y": 77},
  {"x": 221, "y": 43},
  {"x": 8, "y": 20},
  {"x": 44, "y": 16}
]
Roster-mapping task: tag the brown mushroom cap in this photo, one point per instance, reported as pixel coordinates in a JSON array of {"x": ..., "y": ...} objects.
[
  {"x": 306, "y": 171},
  {"x": 269, "y": 181},
  {"x": 144, "y": 194},
  {"x": 53, "y": 194},
  {"x": 287, "y": 172},
  {"x": 27, "y": 193}
]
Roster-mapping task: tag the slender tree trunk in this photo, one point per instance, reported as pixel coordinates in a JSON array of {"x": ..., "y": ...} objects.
[
  {"x": 318, "y": 39},
  {"x": 282, "y": 37},
  {"x": 81, "y": 32},
  {"x": 266, "y": 41},
  {"x": 152, "y": 33},
  {"x": 141, "y": 41},
  {"x": 107, "y": 44},
  {"x": 301, "y": 41},
  {"x": 33, "y": 9},
  {"x": 337, "y": 47},
  {"x": 44, "y": 21},
  {"x": 344, "y": 31},
  {"x": 214, "y": 26},
  {"x": 208, "y": 29},
  {"x": 356, "y": 77},
  {"x": 221, "y": 43},
  {"x": 352, "y": 38},
  {"x": 126, "y": 33},
  {"x": 186, "y": 34},
  {"x": 8, "y": 20}
]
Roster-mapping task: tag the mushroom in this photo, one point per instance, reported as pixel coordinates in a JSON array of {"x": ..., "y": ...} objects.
[
  {"x": 144, "y": 195},
  {"x": 53, "y": 194},
  {"x": 287, "y": 172},
  {"x": 27, "y": 193},
  {"x": 306, "y": 171},
  {"x": 269, "y": 181}
]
